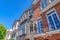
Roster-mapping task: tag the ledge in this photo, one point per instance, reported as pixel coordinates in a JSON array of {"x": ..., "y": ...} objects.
[
  {"x": 48, "y": 33},
  {"x": 53, "y": 32},
  {"x": 35, "y": 2},
  {"x": 50, "y": 6}
]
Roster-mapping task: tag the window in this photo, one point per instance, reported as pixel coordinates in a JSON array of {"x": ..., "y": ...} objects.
[
  {"x": 43, "y": 3},
  {"x": 31, "y": 27},
  {"x": 31, "y": 12},
  {"x": 39, "y": 26},
  {"x": 53, "y": 20},
  {"x": 23, "y": 29},
  {"x": 51, "y": 0}
]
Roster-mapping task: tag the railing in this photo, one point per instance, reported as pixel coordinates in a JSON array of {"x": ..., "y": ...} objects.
[
  {"x": 24, "y": 19},
  {"x": 31, "y": 13}
]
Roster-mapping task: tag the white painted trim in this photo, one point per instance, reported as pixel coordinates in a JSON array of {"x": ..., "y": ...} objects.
[
  {"x": 37, "y": 23},
  {"x": 37, "y": 35},
  {"x": 53, "y": 32},
  {"x": 50, "y": 5},
  {"x": 48, "y": 16},
  {"x": 40, "y": 19},
  {"x": 35, "y": 1},
  {"x": 51, "y": 10},
  {"x": 52, "y": 17},
  {"x": 48, "y": 33}
]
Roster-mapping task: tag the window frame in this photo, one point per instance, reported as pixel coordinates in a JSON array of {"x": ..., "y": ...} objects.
[
  {"x": 40, "y": 19},
  {"x": 42, "y": 1},
  {"x": 50, "y": 1},
  {"x": 52, "y": 17}
]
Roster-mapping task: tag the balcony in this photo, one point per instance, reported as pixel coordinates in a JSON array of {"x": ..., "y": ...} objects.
[
  {"x": 24, "y": 18},
  {"x": 21, "y": 31},
  {"x": 30, "y": 13}
]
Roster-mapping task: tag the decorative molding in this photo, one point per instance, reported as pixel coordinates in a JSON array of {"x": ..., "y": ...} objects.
[{"x": 50, "y": 6}]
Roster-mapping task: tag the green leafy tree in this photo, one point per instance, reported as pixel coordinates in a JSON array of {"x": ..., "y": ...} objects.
[{"x": 3, "y": 32}]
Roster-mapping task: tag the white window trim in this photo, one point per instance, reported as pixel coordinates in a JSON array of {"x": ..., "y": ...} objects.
[
  {"x": 37, "y": 25},
  {"x": 37, "y": 35},
  {"x": 50, "y": 1},
  {"x": 52, "y": 17},
  {"x": 50, "y": 6},
  {"x": 25, "y": 28},
  {"x": 40, "y": 4},
  {"x": 35, "y": 1}
]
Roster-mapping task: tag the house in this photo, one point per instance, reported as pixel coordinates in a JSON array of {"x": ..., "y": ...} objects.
[
  {"x": 26, "y": 23},
  {"x": 40, "y": 22},
  {"x": 9, "y": 34},
  {"x": 14, "y": 29},
  {"x": 47, "y": 19}
]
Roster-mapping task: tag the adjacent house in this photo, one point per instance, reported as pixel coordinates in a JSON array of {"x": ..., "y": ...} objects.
[
  {"x": 9, "y": 34},
  {"x": 14, "y": 29},
  {"x": 26, "y": 25}
]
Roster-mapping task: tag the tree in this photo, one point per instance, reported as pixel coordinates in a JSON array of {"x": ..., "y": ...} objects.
[{"x": 3, "y": 32}]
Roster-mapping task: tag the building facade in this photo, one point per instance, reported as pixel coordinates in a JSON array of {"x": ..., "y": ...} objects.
[
  {"x": 25, "y": 30},
  {"x": 47, "y": 19},
  {"x": 14, "y": 29},
  {"x": 9, "y": 34},
  {"x": 40, "y": 22}
]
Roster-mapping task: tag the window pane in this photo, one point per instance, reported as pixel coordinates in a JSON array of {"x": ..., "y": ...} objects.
[
  {"x": 57, "y": 22},
  {"x": 51, "y": 0},
  {"x": 51, "y": 23},
  {"x": 31, "y": 11},
  {"x": 31, "y": 27},
  {"x": 44, "y": 3},
  {"x": 39, "y": 26},
  {"x": 23, "y": 29}
]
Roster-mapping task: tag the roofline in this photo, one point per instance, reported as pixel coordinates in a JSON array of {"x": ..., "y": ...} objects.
[
  {"x": 26, "y": 11},
  {"x": 14, "y": 22}
]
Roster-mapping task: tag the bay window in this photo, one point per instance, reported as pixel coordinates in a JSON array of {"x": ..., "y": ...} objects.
[{"x": 53, "y": 20}]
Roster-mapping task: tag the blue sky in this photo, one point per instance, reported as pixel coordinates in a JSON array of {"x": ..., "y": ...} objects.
[{"x": 11, "y": 10}]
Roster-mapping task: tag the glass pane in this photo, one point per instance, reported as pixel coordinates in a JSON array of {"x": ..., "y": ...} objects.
[
  {"x": 38, "y": 27},
  {"x": 23, "y": 29},
  {"x": 57, "y": 22},
  {"x": 42, "y": 5},
  {"x": 41, "y": 26},
  {"x": 31, "y": 11},
  {"x": 51, "y": 0},
  {"x": 46, "y": 2},
  {"x": 51, "y": 23}
]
